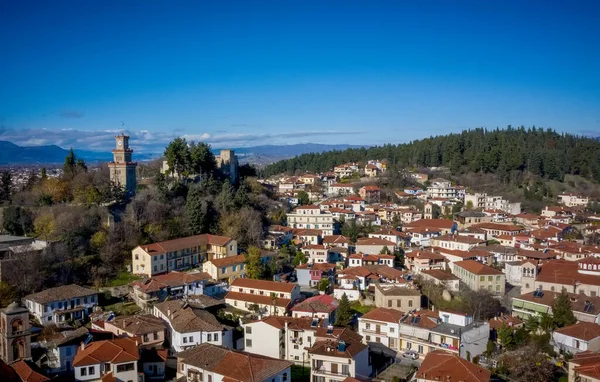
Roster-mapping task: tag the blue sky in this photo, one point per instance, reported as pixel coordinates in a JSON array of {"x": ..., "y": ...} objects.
[{"x": 255, "y": 72}]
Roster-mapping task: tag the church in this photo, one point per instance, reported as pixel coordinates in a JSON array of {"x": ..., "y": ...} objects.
[{"x": 122, "y": 168}]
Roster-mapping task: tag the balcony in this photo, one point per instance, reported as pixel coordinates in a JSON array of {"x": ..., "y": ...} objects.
[
  {"x": 322, "y": 371},
  {"x": 297, "y": 340}
]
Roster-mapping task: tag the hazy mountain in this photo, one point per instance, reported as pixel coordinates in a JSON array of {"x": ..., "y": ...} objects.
[{"x": 15, "y": 155}]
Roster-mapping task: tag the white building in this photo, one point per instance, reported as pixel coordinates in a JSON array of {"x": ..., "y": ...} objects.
[
  {"x": 61, "y": 304},
  {"x": 210, "y": 363},
  {"x": 381, "y": 325},
  {"x": 269, "y": 297},
  {"x": 311, "y": 217},
  {"x": 486, "y": 202},
  {"x": 107, "y": 360},
  {"x": 335, "y": 357},
  {"x": 441, "y": 188},
  {"x": 61, "y": 350},
  {"x": 577, "y": 338},
  {"x": 188, "y": 327},
  {"x": 573, "y": 200}
]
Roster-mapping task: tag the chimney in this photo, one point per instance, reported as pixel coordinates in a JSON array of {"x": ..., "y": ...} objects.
[
  {"x": 169, "y": 313},
  {"x": 82, "y": 346}
]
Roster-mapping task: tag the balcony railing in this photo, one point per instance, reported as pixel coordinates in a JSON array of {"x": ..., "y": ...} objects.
[{"x": 322, "y": 370}]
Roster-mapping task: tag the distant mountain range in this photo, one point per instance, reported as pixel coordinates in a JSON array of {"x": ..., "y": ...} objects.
[{"x": 11, "y": 154}]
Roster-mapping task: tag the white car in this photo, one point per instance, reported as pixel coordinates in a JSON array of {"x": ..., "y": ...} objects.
[{"x": 410, "y": 354}]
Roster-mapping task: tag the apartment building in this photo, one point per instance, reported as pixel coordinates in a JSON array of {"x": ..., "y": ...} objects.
[
  {"x": 345, "y": 170},
  {"x": 179, "y": 254},
  {"x": 486, "y": 202},
  {"x": 188, "y": 327},
  {"x": 443, "y": 278},
  {"x": 419, "y": 261},
  {"x": 361, "y": 259},
  {"x": 441, "y": 188},
  {"x": 335, "y": 357},
  {"x": 398, "y": 297},
  {"x": 115, "y": 360},
  {"x": 311, "y": 274},
  {"x": 480, "y": 276},
  {"x": 211, "y": 363},
  {"x": 311, "y": 217},
  {"x": 262, "y": 297},
  {"x": 497, "y": 229},
  {"x": 61, "y": 304}
]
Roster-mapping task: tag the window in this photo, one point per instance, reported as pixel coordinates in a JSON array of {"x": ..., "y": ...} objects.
[
  {"x": 137, "y": 257},
  {"x": 248, "y": 329},
  {"x": 185, "y": 340},
  {"x": 68, "y": 351},
  {"x": 91, "y": 370},
  {"x": 285, "y": 377},
  {"x": 481, "y": 278},
  {"x": 155, "y": 335},
  {"x": 234, "y": 268},
  {"x": 420, "y": 349},
  {"x": 209, "y": 337},
  {"x": 497, "y": 278},
  {"x": 83, "y": 371},
  {"x": 216, "y": 337},
  {"x": 223, "y": 270},
  {"x": 162, "y": 257},
  {"x": 391, "y": 330},
  {"x": 490, "y": 278},
  {"x": 191, "y": 339},
  {"x": 389, "y": 303},
  {"x": 593, "y": 293},
  {"x": 410, "y": 303},
  {"x": 248, "y": 343},
  {"x": 125, "y": 367},
  {"x": 209, "y": 378},
  {"x": 398, "y": 303},
  {"x": 368, "y": 338},
  {"x": 367, "y": 326}
]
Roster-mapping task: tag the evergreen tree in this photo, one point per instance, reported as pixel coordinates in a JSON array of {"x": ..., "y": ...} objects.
[
  {"x": 198, "y": 212},
  {"x": 303, "y": 198},
  {"x": 5, "y": 186},
  {"x": 253, "y": 264},
  {"x": 343, "y": 316},
  {"x": 505, "y": 337},
  {"x": 562, "y": 313}
]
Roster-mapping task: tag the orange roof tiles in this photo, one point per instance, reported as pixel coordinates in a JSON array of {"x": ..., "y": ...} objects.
[
  {"x": 118, "y": 350},
  {"x": 384, "y": 315},
  {"x": 262, "y": 284},
  {"x": 439, "y": 365},
  {"x": 584, "y": 331},
  {"x": 477, "y": 268}
]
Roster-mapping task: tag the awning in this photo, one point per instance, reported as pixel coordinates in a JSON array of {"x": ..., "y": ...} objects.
[{"x": 518, "y": 303}]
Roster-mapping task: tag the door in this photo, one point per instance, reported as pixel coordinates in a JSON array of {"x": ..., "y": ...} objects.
[{"x": 68, "y": 365}]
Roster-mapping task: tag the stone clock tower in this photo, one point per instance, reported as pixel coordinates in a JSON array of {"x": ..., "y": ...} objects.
[{"x": 122, "y": 169}]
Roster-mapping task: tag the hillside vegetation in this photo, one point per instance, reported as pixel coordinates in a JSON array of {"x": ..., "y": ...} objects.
[{"x": 544, "y": 153}]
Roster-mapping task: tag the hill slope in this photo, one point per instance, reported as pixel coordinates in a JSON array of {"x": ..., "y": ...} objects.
[{"x": 542, "y": 152}]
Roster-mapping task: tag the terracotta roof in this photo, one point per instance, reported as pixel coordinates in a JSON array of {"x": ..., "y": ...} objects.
[
  {"x": 504, "y": 320},
  {"x": 258, "y": 299},
  {"x": 328, "y": 344},
  {"x": 428, "y": 319},
  {"x": 386, "y": 271},
  {"x": 227, "y": 261},
  {"x": 584, "y": 331},
  {"x": 438, "y": 274},
  {"x": 117, "y": 350},
  {"x": 459, "y": 239},
  {"x": 439, "y": 365},
  {"x": 565, "y": 272},
  {"x": 355, "y": 272},
  {"x": 477, "y": 268},
  {"x": 389, "y": 232},
  {"x": 588, "y": 364},
  {"x": 27, "y": 373},
  {"x": 432, "y": 223},
  {"x": 263, "y": 284},
  {"x": 185, "y": 319},
  {"x": 335, "y": 239},
  {"x": 374, "y": 241},
  {"x": 321, "y": 303},
  {"x": 163, "y": 247},
  {"x": 171, "y": 279},
  {"x": 314, "y": 246},
  {"x": 370, "y": 188},
  {"x": 308, "y": 207},
  {"x": 500, "y": 227},
  {"x": 384, "y": 315},
  {"x": 307, "y": 232},
  {"x": 426, "y": 255},
  {"x": 138, "y": 325},
  {"x": 60, "y": 293},
  {"x": 233, "y": 365},
  {"x": 317, "y": 266}
]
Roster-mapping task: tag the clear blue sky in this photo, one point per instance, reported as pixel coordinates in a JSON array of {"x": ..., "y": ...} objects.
[{"x": 255, "y": 72}]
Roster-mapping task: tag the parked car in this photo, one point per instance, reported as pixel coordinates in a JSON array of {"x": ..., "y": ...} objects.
[{"x": 410, "y": 354}]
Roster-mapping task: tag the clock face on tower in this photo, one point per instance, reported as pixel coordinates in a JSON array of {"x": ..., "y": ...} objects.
[{"x": 120, "y": 143}]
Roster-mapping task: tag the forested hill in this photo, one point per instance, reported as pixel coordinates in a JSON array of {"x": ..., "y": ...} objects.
[{"x": 543, "y": 152}]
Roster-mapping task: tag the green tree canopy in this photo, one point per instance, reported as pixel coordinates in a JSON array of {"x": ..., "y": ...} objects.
[
  {"x": 254, "y": 266},
  {"x": 343, "y": 316},
  {"x": 562, "y": 313}
]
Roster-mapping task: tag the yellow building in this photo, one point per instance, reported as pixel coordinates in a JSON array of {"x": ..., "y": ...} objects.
[
  {"x": 180, "y": 254},
  {"x": 480, "y": 276}
]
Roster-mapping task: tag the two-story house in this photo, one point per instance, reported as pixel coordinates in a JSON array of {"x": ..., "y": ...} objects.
[
  {"x": 374, "y": 245},
  {"x": 226, "y": 268},
  {"x": 114, "y": 360},
  {"x": 322, "y": 306},
  {"x": 148, "y": 328},
  {"x": 172, "y": 285},
  {"x": 310, "y": 274},
  {"x": 399, "y": 238},
  {"x": 188, "y": 326},
  {"x": 180, "y": 254},
  {"x": 211, "y": 363},
  {"x": 397, "y": 297},
  {"x": 61, "y": 304},
  {"x": 577, "y": 338},
  {"x": 262, "y": 297},
  {"x": 441, "y": 365},
  {"x": 419, "y": 261},
  {"x": 480, "y": 276},
  {"x": 362, "y": 259},
  {"x": 60, "y": 349},
  {"x": 456, "y": 242},
  {"x": 443, "y": 278}
]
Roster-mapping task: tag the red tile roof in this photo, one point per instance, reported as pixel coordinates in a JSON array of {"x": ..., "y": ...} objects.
[
  {"x": 384, "y": 315},
  {"x": 118, "y": 350},
  {"x": 584, "y": 331},
  {"x": 27, "y": 373},
  {"x": 477, "y": 268},
  {"x": 258, "y": 299},
  {"x": 322, "y": 303},
  {"x": 262, "y": 284},
  {"x": 439, "y": 365},
  {"x": 163, "y": 247}
]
